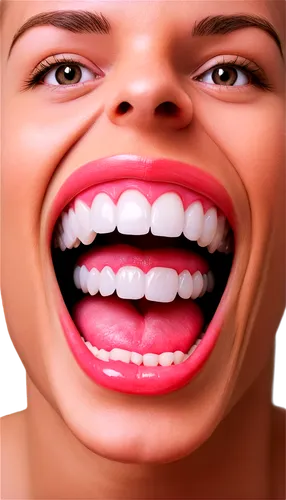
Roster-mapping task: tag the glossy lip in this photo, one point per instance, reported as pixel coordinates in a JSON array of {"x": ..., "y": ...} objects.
[{"x": 116, "y": 375}]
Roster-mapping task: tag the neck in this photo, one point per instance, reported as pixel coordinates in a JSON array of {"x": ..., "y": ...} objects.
[{"x": 234, "y": 459}]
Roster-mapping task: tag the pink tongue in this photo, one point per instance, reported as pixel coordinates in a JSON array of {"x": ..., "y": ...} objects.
[{"x": 109, "y": 322}]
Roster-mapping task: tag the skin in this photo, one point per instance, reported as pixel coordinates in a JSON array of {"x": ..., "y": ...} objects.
[{"x": 219, "y": 437}]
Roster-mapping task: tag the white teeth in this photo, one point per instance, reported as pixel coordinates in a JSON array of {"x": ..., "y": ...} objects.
[
  {"x": 73, "y": 223},
  {"x": 76, "y": 277},
  {"x": 149, "y": 359},
  {"x": 178, "y": 357},
  {"x": 185, "y": 285},
  {"x": 160, "y": 284},
  {"x": 102, "y": 214},
  {"x": 82, "y": 212},
  {"x": 130, "y": 283},
  {"x": 120, "y": 355},
  {"x": 83, "y": 275},
  {"x": 221, "y": 221},
  {"x": 107, "y": 282},
  {"x": 133, "y": 213},
  {"x": 103, "y": 355},
  {"x": 84, "y": 232},
  {"x": 167, "y": 216},
  {"x": 67, "y": 231},
  {"x": 194, "y": 221},
  {"x": 166, "y": 358},
  {"x": 93, "y": 281},
  {"x": 67, "y": 240},
  {"x": 136, "y": 358},
  {"x": 197, "y": 284},
  {"x": 209, "y": 229}
]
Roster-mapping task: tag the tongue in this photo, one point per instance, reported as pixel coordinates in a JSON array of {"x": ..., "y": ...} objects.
[{"x": 141, "y": 326}]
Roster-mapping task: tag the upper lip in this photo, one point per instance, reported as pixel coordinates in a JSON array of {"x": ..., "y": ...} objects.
[{"x": 142, "y": 168}]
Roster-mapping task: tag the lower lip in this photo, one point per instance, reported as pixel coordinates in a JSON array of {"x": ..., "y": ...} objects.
[{"x": 133, "y": 379}]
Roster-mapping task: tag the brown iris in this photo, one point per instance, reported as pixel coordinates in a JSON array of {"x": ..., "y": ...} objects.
[
  {"x": 68, "y": 73},
  {"x": 224, "y": 76}
]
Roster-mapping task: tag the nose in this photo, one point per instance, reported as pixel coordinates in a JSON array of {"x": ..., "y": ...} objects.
[{"x": 150, "y": 99}]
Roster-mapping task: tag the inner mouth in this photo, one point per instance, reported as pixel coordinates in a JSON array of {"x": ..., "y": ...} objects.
[{"x": 65, "y": 262}]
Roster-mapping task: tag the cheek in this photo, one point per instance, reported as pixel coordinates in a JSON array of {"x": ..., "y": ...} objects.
[{"x": 251, "y": 136}]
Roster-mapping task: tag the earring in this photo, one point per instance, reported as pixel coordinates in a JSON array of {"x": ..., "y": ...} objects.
[{"x": 279, "y": 381}]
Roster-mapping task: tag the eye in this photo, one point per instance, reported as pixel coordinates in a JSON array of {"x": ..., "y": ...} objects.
[
  {"x": 226, "y": 75},
  {"x": 68, "y": 74}
]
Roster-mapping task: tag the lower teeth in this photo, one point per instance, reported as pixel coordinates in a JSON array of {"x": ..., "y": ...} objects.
[{"x": 149, "y": 359}]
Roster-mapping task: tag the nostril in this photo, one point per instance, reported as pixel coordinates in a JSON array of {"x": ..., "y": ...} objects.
[
  {"x": 123, "y": 107},
  {"x": 168, "y": 108}
]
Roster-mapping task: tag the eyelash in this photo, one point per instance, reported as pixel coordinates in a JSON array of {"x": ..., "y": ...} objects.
[
  {"x": 258, "y": 80},
  {"x": 246, "y": 66}
]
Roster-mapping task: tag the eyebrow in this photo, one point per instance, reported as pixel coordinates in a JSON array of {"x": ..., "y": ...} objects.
[{"x": 81, "y": 21}]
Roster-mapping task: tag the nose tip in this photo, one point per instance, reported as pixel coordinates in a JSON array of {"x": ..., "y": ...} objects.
[{"x": 167, "y": 108}]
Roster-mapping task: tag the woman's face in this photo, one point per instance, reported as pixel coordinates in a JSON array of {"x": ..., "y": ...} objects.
[{"x": 229, "y": 123}]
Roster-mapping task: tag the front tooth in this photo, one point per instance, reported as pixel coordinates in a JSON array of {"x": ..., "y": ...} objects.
[
  {"x": 76, "y": 277},
  {"x": 161, "y": 284},
  {"x": 83, "y": 275},
  {"x": 210, "y": 226},
  {"x": 185, "y": 285},
  {"x": 166, "y": 358},
  {"x": 197, "y": 284},
  {"x": 120, "y": 355},
  {"x": 194, "y": 221},
  {"x": 93, "y": 281},
  {"x": 212, "y": 247},
  {"x": 82, "y": 212},
  {"x": 133, "y": 213},
  {"x": 102, "y": 214},
  {"x": 167, "y": 216},
  {"x": 150, "y": 359},
  {"x": 130, "y": 283},
  {"x": 107, "y": 282}
]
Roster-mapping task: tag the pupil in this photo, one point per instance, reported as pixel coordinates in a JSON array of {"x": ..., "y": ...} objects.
[
  {"x": 223, "y": 75},
  {"x": 69, "y": 73}
]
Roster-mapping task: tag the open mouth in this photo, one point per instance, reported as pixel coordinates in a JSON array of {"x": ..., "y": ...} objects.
[{"x": 142, "y": 267}]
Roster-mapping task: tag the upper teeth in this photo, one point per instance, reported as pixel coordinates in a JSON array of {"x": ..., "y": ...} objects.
[{"x": 134, "y": 215}]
